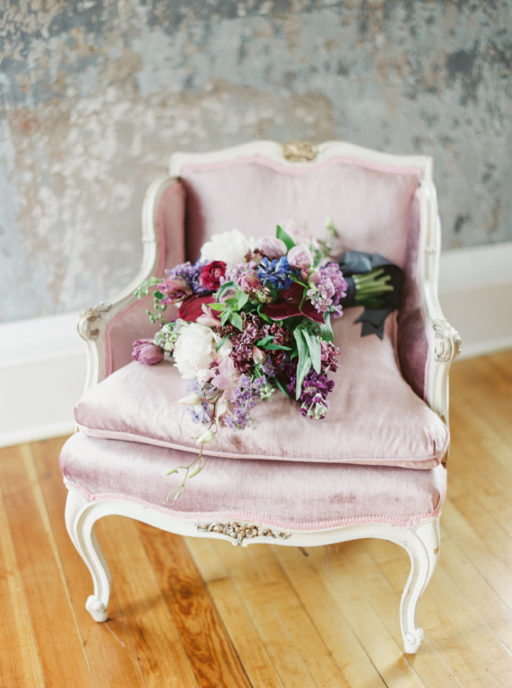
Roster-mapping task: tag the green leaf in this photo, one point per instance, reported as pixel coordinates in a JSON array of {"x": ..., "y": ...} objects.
[
  {"x": 314, "y": 348},
  {"x": 326, "y": 329},
  {"x": 285, "y": 237},
  {"x": 304, "y": 362},
  {"x": 281, "y": 387},
  {"x": 225, "y": 317},
  {"x": 197, "y": 469},
  {"x": 225, "y": 287},
  {"x": 265, "y": 340},
  {"x": 158, "y": 295},
  {"x": 236, "y": 321},
  {"x": 276, "y": 347},
  {"x": 219, "y": 344},
  {"x": 232, "y": 302},
  {"x": 217, "y": 306},
  {"x": 242, "y": 299}
]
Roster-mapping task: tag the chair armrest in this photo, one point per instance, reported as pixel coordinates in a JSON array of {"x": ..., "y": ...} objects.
[
  {"x": 443, "y": 339},
  {"x": 110, "y": 327}
]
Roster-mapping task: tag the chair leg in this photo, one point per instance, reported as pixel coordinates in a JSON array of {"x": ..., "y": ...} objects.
[
  {"x": 423, "y": 549},
  {"x": 81, "y": 516}
]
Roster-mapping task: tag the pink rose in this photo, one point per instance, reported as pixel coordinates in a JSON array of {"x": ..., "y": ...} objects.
[
  {"x": 272, "y": 247},
  {"x": 300, "y": 257},
  {"x": 175, "y": 289},
  {"x": 145, "y": 351}
]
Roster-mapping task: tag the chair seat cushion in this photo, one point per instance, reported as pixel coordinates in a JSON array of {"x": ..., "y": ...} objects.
[
  {"x": 374, "y": 416},
  {"x": 296, "y": 495}
]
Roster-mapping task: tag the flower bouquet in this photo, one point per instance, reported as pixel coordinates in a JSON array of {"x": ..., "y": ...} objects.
[{"x": 254, "y": 318}]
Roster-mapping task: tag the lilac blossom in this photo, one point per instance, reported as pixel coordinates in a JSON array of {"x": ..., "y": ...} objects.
[{"x": 330, "y": 288}]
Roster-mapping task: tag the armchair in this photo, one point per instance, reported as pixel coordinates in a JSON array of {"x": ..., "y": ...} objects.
[{"x": 373, "y": 468}]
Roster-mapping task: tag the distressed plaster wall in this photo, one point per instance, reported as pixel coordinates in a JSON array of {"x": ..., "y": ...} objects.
[{"x": 96, "y": 94}]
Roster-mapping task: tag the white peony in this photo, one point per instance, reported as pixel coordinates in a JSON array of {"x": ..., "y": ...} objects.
[
  {"x": 231, "y": 247},
  {"x": 194, "y": 351}
]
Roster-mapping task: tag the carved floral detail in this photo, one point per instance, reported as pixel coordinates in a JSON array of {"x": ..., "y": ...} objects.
[
  {"x": 241, "y": 531},
  {"x": 86, "y": 325},
  {"x": 448, "y": 341},
  {"x": 299, "y": 151}
]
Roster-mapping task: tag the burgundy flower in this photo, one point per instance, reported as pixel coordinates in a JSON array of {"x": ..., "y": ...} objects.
[
  {"x": 288, "y": 305},
  {"x": 145, "y": 351},
  {"x": 211, "y": 274},
  {"x": 192, "y": 307}
]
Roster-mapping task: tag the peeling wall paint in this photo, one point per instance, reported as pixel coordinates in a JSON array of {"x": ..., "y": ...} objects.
[{"x": 96, "y": 94}]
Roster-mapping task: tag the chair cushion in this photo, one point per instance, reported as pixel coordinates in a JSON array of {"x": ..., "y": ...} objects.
[
  {"x": 301, "y": 496},
  {"x": 374, "y": 416}
]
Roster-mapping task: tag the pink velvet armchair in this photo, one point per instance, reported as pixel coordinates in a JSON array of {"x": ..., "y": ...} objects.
[{"x": 374, "y": 467}]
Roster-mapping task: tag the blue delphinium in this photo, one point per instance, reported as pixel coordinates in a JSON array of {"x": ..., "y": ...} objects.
[{"x": 275, "y": 273}]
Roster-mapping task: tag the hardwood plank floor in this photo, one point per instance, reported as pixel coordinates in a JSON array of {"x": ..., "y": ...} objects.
[{"x": 198, "y": 613}]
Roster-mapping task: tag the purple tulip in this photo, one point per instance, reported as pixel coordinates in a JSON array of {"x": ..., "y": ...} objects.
[{"x": 145, "y": 351}]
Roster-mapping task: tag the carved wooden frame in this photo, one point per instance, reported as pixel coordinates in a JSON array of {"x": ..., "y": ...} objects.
[{"x": 421, "y": 540}]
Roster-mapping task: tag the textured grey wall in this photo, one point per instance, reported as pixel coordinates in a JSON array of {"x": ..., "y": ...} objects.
[{"x": 96, "y": 94}]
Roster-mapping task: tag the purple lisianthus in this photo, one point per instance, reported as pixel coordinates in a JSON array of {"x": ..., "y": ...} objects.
[
  {"x": 146, "y": 351},
  {"x": 276, "y": 273}
]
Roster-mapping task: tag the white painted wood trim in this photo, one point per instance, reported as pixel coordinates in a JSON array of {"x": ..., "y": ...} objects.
[
  {"x": 421, "y": 541},
  {"x": 93, "y": 322},
  {"x": 272, "y": 150}
]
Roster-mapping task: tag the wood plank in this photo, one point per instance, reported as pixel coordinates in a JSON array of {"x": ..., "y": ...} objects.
[
  {"x": 109, "y": 646},
  {"x": 244, "y": 635},
  {"x": 19, "y": 659},
  {"x": 203, "y": 635},
  {"x": 259, "y": 602},
  {"x": 458, "y": 633},
  {"x": 330, "y": 621},
  {"x": 383, "y": 650},
  {"x": 45, "y": 590},
  {"x": 157, "y": 641}
]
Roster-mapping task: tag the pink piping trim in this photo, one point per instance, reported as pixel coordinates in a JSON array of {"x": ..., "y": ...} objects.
[
  {"x": 159, "y": 268},
  {"x": 423, "y": 462},
  {"x": 200, "y": 515},
  {"x": 280, "y": 167}
]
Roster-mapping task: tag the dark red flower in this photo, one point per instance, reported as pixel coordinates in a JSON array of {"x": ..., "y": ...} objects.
[
  {"x": 287, "y": 305},
  {"x": 211, "y": 274},
  {"x": 192, "y": 307}
]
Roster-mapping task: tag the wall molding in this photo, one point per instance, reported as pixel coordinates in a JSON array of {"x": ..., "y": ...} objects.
[{"x": 43, "y": 361}]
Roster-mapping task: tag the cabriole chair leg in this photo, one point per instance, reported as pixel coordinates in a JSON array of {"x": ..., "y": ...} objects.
[
  {"x": 80, "y": 519},
  {"x": 423, "y": 548}
]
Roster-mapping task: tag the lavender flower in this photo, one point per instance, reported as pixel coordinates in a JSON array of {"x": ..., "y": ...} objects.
[{"x": 244, "y": 398}]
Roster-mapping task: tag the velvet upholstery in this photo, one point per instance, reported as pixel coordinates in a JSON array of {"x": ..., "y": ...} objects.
[
  {"x": 374, "y": 416},
  {"x": 133, "y": 323},
  {"x": 295, "y": 495}
]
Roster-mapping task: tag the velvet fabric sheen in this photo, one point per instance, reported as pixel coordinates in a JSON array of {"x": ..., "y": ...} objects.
[
  {"x": 301, "y": 496},
  {"x": 374, "y": 416}
]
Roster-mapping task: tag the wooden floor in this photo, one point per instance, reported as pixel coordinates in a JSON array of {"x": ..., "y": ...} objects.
[{"x": 200, "y": 613}]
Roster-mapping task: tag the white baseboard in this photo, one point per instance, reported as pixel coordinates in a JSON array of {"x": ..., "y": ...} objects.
[
  {"x": 42, "y": 373},
  {"x": 476, "y": 295},
  {"x": 42, "y": 361}
]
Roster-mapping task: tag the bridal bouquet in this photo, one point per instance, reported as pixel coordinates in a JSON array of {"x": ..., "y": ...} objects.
[{"x": 254, "y": 319}]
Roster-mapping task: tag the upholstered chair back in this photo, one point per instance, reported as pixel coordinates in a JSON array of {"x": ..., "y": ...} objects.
[{"x": 373, "y": 206}]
